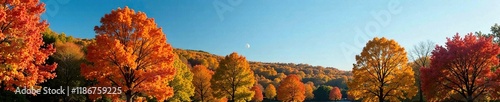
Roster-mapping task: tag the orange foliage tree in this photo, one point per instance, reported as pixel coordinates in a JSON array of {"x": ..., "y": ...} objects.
[
  {"x": 382, "y": 73},
  {"x": 22, "y": 51},
  {"x": 130, "y": 52},
  {"x": 462, "y": 70},
  {"x": 335, "y": 94},
  {"x": 201, "y": 83},
  {"x": 291, "y": 89},
  {"x": 257, "y": 97}
]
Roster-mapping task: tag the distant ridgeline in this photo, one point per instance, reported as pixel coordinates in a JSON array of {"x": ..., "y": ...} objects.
[{"x": 272, "y": 73}]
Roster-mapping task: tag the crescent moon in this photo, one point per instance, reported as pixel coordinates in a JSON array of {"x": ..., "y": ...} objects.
[{"x": 248, "y": 45}]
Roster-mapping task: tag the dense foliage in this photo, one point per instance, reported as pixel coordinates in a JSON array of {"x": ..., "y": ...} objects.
[
  {"x": 335, "y": 94},
  {"x": 22, "y": 50},
  {"x": 134, "y": 56},
  {"x": 291, "y": 89},
  {"x": 182, "y": 85},
  {"x": 382, "y": 72},
  {"x": 233, "y": 79},
  {"x": 463, "y": 70}
]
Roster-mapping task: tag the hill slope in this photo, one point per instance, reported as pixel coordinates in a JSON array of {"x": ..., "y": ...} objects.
[{"x": 272, "y": 73}]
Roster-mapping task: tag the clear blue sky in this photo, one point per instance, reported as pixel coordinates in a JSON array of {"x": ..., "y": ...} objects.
[{"x": 317, "y": 32}]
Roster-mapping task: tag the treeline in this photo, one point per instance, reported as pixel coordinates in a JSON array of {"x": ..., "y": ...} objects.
[{"x": 273, "y": 73}]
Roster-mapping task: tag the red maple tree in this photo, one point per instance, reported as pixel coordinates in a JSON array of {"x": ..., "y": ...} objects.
[
  {"x": 462, "y": 70},
  {"x": 257, "y": 97},
  {"x": 335, "y": 94}
]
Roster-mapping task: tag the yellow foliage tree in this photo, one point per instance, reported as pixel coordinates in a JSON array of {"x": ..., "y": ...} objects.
[
  {"x": 309, "y": 86},
  {"x": 382, "y": 73},
  {"x": 233, "y": 79},
  {"x": 183, "y": 87},
  {"x": 270, "y": 92}
]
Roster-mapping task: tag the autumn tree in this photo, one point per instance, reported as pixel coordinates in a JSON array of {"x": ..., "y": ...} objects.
[
  {"x": 130, "y": 52},
  {"x": 270, "y": 92},
  {"x": 201, "y": 82},
  {"x": 69, "y": 56},
  {"x": 183, "y": 87},
  {"x": 258, "y": 97},
  {"x": 462, "y": 70},
  {"x": 420, "y": 55},
  {"x": 335, "y": 94},
  {"x": 291, "y": 89},
  {"x": 309, "y": 87},
  {"x": 233, "y": 79},
  {"x": 382, "y": 73},
  {"x": 22, "y": 51}
]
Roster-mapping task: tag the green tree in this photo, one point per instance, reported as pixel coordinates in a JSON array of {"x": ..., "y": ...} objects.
[
  {"x": 495, "y": 33},
  {"x": 183, "y": 88},
  {"x": 233, "y": 79},
  {"x": 322, "y": 93}
]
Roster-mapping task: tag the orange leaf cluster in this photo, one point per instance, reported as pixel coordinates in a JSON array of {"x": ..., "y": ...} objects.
[
  {"x": 131, "y": 52},
  {"x": 335, "y": 94},
  {"x": 22, "y": 51},
  {"x": 257, "y": 97},
  {"x": 201, "y": 82},
  {"x": 291, "y": 89}
]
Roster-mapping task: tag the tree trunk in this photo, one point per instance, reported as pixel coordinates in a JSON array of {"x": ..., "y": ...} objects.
[
  {"x": 202, "y": 98},
  {"x": 420, "y": 91},
  {"x": 233, "y": 94},
  {"x": 128, "y": 94},
  {"x": 381, "y": 94},
  {"x": 470, "y": 99}
]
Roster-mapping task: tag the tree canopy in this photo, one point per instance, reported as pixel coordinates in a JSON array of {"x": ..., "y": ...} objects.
[
  {"x": 22, "y": 50},
  {"x": 233, "y": 79},
  {"x": 462, "y": 70},
  {"x": 382, "y": 73},
  {"x": 291, "y": 89},
  {"x": 134, "y": 56}
]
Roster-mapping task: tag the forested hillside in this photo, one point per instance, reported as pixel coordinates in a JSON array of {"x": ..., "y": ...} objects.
[{"x": 273, "y": 73}]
